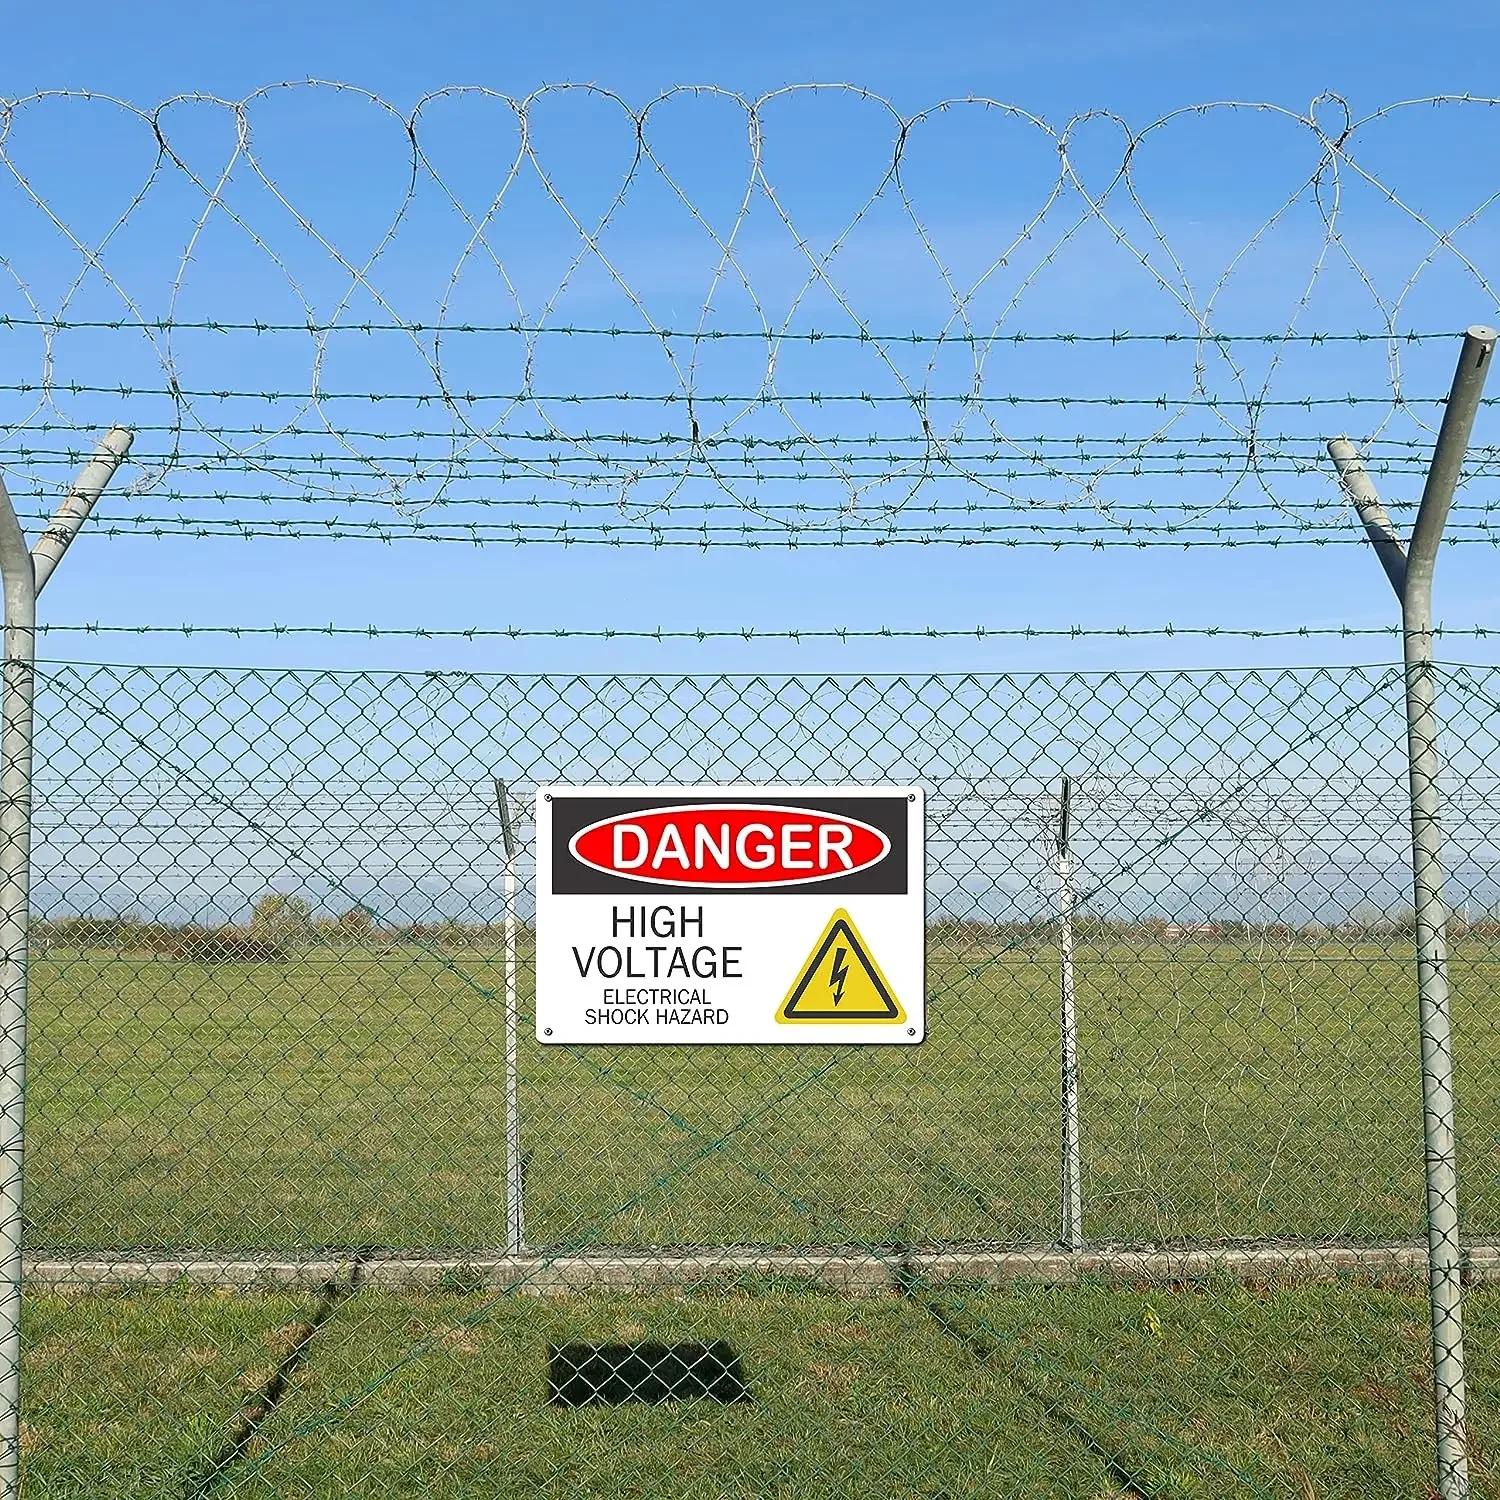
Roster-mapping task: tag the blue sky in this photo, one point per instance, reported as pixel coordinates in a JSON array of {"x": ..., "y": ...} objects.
[
  {"x": 1093, "y": 54},
  {"x": 1209, "y": 181}
]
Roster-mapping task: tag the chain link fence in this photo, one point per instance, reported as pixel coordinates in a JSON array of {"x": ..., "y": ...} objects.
[
  {"x": 268, "y": 1247},
  {"x": 1150, "y": 1211}
]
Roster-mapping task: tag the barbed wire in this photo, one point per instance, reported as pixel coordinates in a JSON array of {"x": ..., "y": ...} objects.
[
  {"x": 812, "y": 336},
  {"x": 510, "y": 293},
  {"x": 702, "y": 536},
  {"x": 1160, "y": 401},
  {"x": 1270, "y": 443},
  {"x": 756, "y": 633}
]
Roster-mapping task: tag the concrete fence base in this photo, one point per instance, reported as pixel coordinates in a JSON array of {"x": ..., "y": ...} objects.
[{"x": 848, "y": 1272}]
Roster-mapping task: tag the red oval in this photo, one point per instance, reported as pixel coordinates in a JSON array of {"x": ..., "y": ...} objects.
[{"x": 729, "y": 845}]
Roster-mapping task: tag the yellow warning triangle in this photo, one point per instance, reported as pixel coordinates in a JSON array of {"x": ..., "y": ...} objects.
[{"x": 840, "y": 982}]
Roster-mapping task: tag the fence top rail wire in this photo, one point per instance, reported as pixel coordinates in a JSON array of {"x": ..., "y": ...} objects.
[{"x": 755, "y": 633}]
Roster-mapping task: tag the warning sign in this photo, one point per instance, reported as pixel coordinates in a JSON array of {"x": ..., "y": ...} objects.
[
  {"x": 840, "y": 982},
  {"x": 729, "y": 914}
]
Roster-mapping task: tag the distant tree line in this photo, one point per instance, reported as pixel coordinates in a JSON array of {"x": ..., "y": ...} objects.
[{"x": 281, "y": 927}]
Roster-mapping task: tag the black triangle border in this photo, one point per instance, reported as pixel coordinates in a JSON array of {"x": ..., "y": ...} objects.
[{"x": 788, "y": 1011}]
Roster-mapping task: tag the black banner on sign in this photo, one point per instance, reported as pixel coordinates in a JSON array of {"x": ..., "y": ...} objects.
[{"x": 887, "y": 877}]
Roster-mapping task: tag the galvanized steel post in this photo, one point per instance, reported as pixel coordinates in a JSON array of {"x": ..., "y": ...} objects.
[
  {"x": 1411, "y": 571},
  {"x": 25, "y": 571},
  {"x": 1072, "y": 1158},
  {"x": 515, "y": 1200}
]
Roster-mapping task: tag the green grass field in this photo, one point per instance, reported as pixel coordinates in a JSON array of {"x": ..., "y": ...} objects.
[
  {"x": 356, "y": 1098},
  {"x": 1310, "y": 1392}
]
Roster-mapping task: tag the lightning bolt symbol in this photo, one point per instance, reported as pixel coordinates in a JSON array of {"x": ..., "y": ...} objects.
[{"x": 838, "y": 975}]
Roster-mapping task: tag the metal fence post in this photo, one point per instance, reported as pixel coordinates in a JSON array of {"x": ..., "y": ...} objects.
[
  {"x": 1410, "y": 571},
  {"x": 25, "y": 572},
  {"x": 515, "y": 1202},
  {"x": 1072, "y": 1165}
]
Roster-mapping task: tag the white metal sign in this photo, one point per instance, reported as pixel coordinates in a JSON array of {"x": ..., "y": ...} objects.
[{"x": 729, "y": 914}]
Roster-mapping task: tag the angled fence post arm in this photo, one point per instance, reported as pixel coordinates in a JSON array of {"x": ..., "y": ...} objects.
[
  {"x": 1360, "y": 489},
  {"x": 24, "y": 573},
  {"x": 1411, "y": 573},
  {"x": 69, "y": 517}
]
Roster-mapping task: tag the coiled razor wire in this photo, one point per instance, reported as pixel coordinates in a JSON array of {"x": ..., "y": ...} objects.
[{"x": 254, "y": 315}]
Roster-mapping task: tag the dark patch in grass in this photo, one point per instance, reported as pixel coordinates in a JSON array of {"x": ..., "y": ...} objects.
[
  {"x": 584, "y": 1374},
  {"x": 256, "y": 1412}
]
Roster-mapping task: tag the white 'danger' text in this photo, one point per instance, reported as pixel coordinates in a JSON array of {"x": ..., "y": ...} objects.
[{"x": 755, "y": 846}]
